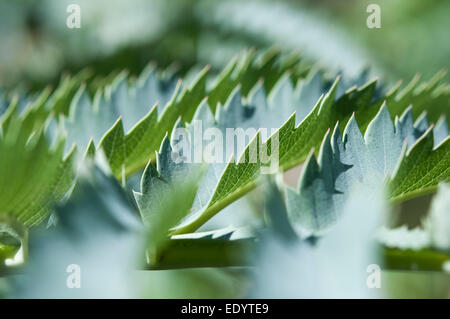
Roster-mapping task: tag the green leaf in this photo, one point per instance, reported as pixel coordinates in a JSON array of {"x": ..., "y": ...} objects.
[
  {"x": 89, "y": 122},
  {"x": 255, "y": 114},
  {"x": 227, "y": 233},
  {"x": 160, "y": 213},
  {"x": 121, "y": 119},
  {"x": 432, "y": 97},
  {"x": 324, "y": 115},
  {"x": 421, "y": 168},
  {"x": 137, "y": 146},
  {"x": 235, "y": 179},
  {"x": 34, "y": 175},
  {"x": 99, "y": 231},
  {"x": 32, "y": 113},
  {"x": 295, "y": 140},
  {"x": 247, "y": 68},
  {"x": 128, "y": 151},
  {"x": 356, "y": 162},
  {"x": 61, "y": 97},
  {"x": 159, "y": 186}
]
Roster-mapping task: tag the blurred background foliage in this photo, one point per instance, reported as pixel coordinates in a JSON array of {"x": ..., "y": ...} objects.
[{"x": 37, "y": 46}]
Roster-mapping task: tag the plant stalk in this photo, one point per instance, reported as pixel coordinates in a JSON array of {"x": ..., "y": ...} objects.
[
  {"x": 420, "y": 260},
  {"x": 195, "y": 253}
]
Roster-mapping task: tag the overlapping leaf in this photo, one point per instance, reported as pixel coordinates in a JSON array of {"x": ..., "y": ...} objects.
[
  {"x": 97, "y": 228},
  {"x": 89, "y": 121},
  {"x": 131, "y": 141},
  {"x": 365, "y": 162},
  {"x": 421, "y": 168},
  {"x": 30, "y": 112},
  {"x": 321, "y": 268},
  {"x": 249, "y": 117},
  {"x": 123, "y": 122},
  {"x": 296, "y": 136},
  {"x": 160, "y": 213},
  {"x": 25, "y": 119}
]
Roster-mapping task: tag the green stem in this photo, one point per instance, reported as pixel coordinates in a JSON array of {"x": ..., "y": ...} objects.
[
  {"x": 6, "y": 271},
  {"x": 425, "y": 259},
  {"x": 194, "y": 253},
  {"x": 212, "y": 210}
]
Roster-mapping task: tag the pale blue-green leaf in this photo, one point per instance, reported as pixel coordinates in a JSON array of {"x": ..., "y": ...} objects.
[
  {"x": 333, "y": 266},
  {"x": 344, "y": 165}
]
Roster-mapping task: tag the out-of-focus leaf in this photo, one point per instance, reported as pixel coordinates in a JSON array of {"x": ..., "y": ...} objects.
[
  {"x": 31, "y": 112},
  {"x": 131, "y": 108},
  {"x": 61, "y": 97},
  {"x": 283, "y": 23},
  {"x": 333, "y": 266},
  {"x": 97, "y": 235},
  {"x": 122, "y": 122},
  {"x": 416, "y": 284},
  {"x": 99, "y": 231},
  {"x": 34, "y": 175}
]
